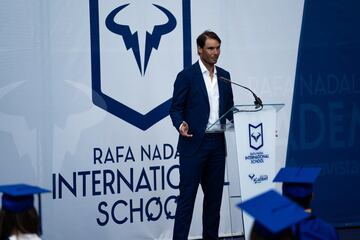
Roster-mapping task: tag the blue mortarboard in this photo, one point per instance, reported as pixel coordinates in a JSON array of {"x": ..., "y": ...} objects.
[
  {"x": 19, "y": 197},
  {"x": 297, "y": 181},
  {"x": 273, "y": 211}
]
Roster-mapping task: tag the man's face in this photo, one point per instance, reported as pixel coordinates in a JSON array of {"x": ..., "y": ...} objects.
[{"x": 210, "y": 53}]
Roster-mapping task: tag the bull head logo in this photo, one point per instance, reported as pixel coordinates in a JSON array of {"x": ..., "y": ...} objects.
[
  {"x": 256, "y": 136},
  {"x": 132, "y": 40},
  {"x": 118, "y": 31}
]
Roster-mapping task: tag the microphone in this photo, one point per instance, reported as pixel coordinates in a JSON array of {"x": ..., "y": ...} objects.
[{"x": 258, "y": 103}]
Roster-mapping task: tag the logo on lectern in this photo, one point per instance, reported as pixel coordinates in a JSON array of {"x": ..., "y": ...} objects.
[
  {"x": 256, "y": 140},
  {"x": 258, "y": 178}
]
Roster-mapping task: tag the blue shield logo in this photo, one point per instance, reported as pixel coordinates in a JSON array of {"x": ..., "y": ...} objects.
[
  {"x": 256, "y": 139},
  {"x": 131, "y": 73}
]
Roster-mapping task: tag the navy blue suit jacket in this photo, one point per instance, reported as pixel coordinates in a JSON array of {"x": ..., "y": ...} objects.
[{"x": 190, "y": 104}]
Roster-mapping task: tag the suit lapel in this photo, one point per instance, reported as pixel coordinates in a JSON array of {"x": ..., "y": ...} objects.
[
  {"x": 199, "y": 77},
  {"x": 221, "y": 93}
]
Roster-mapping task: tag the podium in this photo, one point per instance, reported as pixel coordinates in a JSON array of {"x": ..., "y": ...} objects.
[{"x": 254, "y": 130}]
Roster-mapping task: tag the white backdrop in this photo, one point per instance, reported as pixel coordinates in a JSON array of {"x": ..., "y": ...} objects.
[{"x": 52, "y": 134}]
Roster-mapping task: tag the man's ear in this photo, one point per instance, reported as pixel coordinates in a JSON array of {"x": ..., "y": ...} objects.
[{"x": 199, "y": 50}]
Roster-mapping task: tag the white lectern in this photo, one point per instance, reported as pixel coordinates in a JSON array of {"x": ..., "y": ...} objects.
[
  {"x": 255, "y": 137},
  {"x": 255, "y": 134}
]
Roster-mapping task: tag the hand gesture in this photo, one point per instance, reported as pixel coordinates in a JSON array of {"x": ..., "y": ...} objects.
[{"x": 184, "y": 130}]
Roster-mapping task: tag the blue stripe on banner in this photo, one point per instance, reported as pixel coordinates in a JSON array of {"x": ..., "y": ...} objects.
[{"x": 325, "y": 120}]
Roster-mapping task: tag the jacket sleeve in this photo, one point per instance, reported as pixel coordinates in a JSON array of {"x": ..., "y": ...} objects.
[{"x": 181, "y": 89}]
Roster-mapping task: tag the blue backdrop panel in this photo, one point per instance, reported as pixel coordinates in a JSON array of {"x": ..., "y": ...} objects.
[{"x": 325, "y": 120}]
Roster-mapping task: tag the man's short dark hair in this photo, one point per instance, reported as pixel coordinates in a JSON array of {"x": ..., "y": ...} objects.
[{"x": 200, "y": 41}]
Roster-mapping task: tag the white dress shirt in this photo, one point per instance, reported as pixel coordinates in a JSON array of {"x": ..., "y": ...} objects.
[{"x": 212, "y": 89}]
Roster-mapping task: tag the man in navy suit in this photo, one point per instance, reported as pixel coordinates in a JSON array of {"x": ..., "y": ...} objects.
[{"x": 199, "y": 99}]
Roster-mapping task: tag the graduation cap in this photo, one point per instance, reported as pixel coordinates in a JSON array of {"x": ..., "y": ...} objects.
[
  {"x": 297, "y": 181},
  {"x": 17, "y": 198},
  {"x": 273, "y": 212}
]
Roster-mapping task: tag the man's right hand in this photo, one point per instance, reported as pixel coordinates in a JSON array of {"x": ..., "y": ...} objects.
[{"x": 184, "y": 130}]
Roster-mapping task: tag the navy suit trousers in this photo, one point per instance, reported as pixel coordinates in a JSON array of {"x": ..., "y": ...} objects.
[{"x": 206, "y": 167}]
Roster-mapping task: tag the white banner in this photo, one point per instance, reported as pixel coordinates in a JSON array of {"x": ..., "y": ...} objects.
[{"x": 84, "y": 91}]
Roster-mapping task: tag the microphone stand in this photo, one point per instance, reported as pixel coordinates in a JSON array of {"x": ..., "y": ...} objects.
[{"x": 258, "y": 103}]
